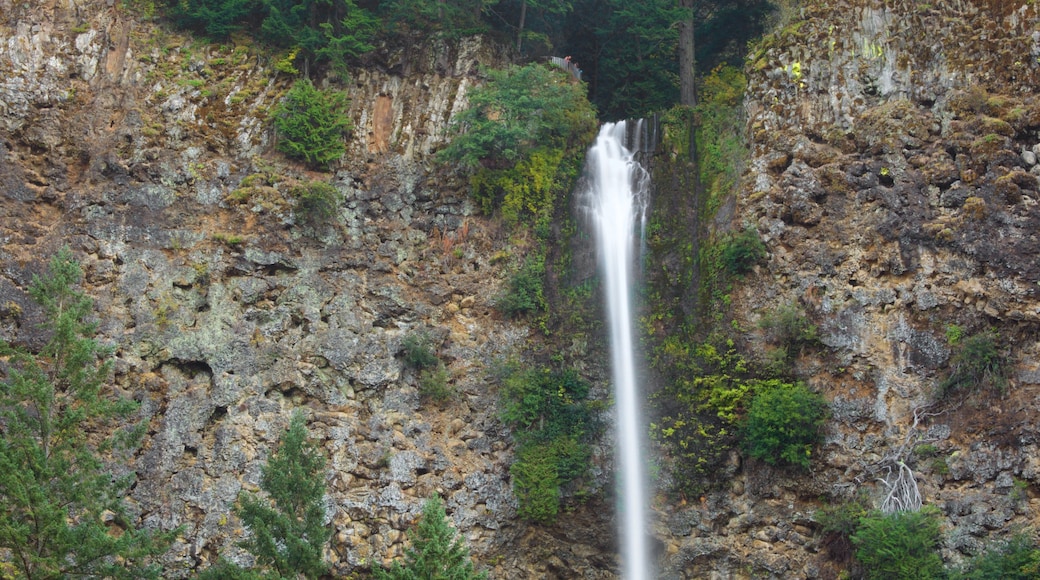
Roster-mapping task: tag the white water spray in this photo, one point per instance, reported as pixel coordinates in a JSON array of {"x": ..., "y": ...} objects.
[{"x": 617, "y": 192}]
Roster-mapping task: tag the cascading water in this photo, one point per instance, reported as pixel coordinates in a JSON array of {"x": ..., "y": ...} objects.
[{"x": 617, "y": 200}]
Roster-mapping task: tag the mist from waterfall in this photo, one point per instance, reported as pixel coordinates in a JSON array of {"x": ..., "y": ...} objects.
[{"x": 617, "y": 201}]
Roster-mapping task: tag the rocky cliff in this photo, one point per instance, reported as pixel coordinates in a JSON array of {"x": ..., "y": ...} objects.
[
  {"x": 892, "y": 175},
  {"x": 149, "y": 154}
]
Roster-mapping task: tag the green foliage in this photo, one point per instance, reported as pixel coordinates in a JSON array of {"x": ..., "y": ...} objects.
[
  {"x": 790, "y": 332},
  {"x": 433, "y": 384},
  {"x": 977, "y": 363},
  {"x": 325, "y": 30},
  {"x": 447, "y": 18},
  {"x": 709, "y": 387},
  {"x": 312, "y": 124},
  {"x": 64, "y": 513},
  {"x": 525, "y": 292},
  {"x": 784, "y": 422},
  {"x": 523, "y": 139},
  {"x": 740, "y": 251},
  {"x": 551, "y": 423},
  {"x": 517, "y": 111},
  {"x": 1018, "y": 559},
  {"x": 419, "y": 350},
  {"x": 316, "y": 202},
  {"x": 837, "y": 525},
  {"x": 214, "y": 18},
  {"x": 899, "y": 546},
  {"x": 288, "y": 531},
  {"x": 436, "y": 552},
  {"x": 636, "y": 70},
  {"x": 720, "y": 134}
]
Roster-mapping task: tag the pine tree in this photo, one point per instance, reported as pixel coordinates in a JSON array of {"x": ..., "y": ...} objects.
[
  {"x": 288, "y": 527},
  {"x": 63, "y": 512},
  {"x": 436, "y": 553}
]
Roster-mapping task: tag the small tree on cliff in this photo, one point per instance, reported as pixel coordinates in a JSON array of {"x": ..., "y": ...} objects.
[
  {"x": 288, "y": 526},
  {"x": 63, "y": 511},
  {"x": 436, "y": 553}
]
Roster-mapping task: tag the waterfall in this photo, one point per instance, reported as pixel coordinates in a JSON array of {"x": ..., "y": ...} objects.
[{"x": 617, "y": 202}]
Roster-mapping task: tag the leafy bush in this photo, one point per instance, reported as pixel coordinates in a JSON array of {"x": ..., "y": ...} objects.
[
  {"x": 436, "y": 551},
  {"x": 977, "y": 363},
  {"x": 523, "y": 137},
  {"x": 739, "y": 252},
  {"x": 784, "y": 422},
  {"x": 837, "y": 525},
  {"x": 900, "y": 546},
  {"x": 433, "y": 383},
  {"x": 789, "y": 330},
  {"x": 1018, "y": 559},
  {"x": 316, "y": 202},
  {"x": 312, "y": 124},
  {"x": 419, "y": 351},
  {"x": 551, "y": 423},
  {"x": 59, "y": 499},
  {"x": 525, "y": 293},
  {"x": 700, "y": 407}
]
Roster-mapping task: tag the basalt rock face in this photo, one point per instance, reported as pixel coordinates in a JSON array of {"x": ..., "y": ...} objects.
[
  {"x": 893, "y": 177},
  {"x": 150, "y": 156}
]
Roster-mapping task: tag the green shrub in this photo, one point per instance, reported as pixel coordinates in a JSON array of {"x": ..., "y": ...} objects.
[
  {"x": 525, "y": 293},
  {"x": 699, "y": 409},
  {"x": 551, "y": 424},
  {"x": 435, "y": 551},
  {"x": 789, "y": 329},
  {"x": 433, "y": 384},
  {"x": 900, "y": 546},
  {"x": 311, "y": 124},
  {"x": 418, "y": 349},
  {"x": 523, "y": 140},
  {"x": 837, "y": 525},
  {"x": 1018, "y": 559},
  {"x": 784, "y": 422},
  {"x": 740, "y": 252},
  {"x": 977, "y": 363},
  {"x": 316, "y": 202}
]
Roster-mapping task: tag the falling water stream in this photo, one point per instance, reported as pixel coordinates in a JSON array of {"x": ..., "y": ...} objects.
[{"x": 617, "y": 204}]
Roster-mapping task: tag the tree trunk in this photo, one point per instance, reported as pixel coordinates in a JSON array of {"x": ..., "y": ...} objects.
[
  {"x": 520, "y": 27},
  {"x": 687, "y": 59}
]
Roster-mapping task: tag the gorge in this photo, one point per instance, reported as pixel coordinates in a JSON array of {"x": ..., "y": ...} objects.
[{"x": 859, "y": 221}]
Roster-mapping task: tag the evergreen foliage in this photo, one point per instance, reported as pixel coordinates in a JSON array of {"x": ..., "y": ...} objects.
[
  {"x": 525, "y": 292},
  {"x": 419, "y": 351},
  {"x": 216, "y": 19},
  {"x": 740, "y": 251},
  {"x": 312, "y": 124},
  {"x": 447, "y": 18},
  {"x": 288, "y": 531},
  {"x": 637, "y": 70},
  {"x": 551, "y": 423},
  {"x": 976, "y": 363},
  {"x": 436, "y": 552},
  {"x": 316, "y": 202},
  {"x": 900, "y": 546},
  {"x": 63, "y": 511},
  {"x": 784, "y": 422},
  {"x": 1017, "y": 559}
]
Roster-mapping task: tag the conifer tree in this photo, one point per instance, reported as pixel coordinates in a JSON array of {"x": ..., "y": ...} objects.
[
  {"x": 63, "y": 512},
  {"x": 288, "y": 526},
  {"x": 436, "y": 553}
]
